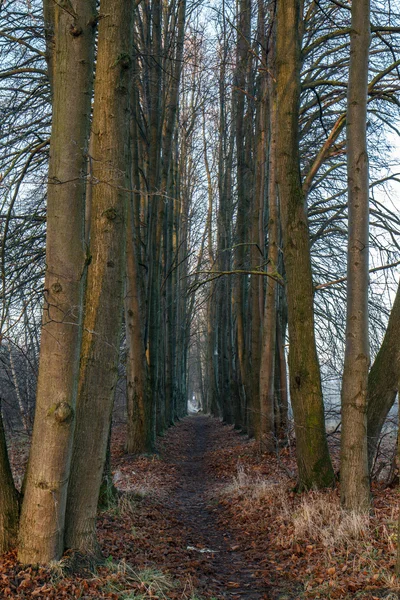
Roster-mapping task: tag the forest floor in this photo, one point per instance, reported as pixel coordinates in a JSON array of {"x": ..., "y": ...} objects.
[{"x": 210, "y": 516}]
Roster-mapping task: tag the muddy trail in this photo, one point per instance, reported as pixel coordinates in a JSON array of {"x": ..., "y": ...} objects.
[{"x": 224, "y": 570}]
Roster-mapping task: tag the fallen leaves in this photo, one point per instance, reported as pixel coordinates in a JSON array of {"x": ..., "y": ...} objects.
[{"x": 184, "y": 537}]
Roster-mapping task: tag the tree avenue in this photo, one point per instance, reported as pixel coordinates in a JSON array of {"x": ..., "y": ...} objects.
[{"x": 199, "y": 210}]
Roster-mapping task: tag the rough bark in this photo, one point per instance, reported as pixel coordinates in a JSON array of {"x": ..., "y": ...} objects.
[
  {"x": 354, "y": 475},
  {"x": 313, "y": 461},
  {"x": 106, "y": 273},
  {"x": 43, "y": 510}
]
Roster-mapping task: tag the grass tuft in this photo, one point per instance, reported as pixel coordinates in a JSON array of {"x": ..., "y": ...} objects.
[{"x": 321, "y": 520}]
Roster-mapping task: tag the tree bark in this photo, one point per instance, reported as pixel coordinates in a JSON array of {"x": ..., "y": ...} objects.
[
  {"x": 106, "y": 273},
  {"x": 43, "y": 510},
  {"x": 354, "y": 475},
  {"x": 313, "y": 461}
]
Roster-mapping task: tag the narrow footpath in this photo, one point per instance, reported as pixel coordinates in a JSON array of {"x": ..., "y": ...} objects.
[
  {"x": 179, "y": 518},
  {"x": 225, "y": 566}
]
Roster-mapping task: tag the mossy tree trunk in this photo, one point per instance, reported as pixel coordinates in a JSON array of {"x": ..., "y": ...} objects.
[
  {"x": 313, "y": 461},
  {"x": 106, "y": 272},
  {"x": 43, "y": 510}
]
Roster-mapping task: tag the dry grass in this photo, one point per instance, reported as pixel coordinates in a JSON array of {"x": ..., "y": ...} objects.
[
  {"x": 130, "y": 583},
  {"x": 141, "y": 485},
  {"x": 321, "y": 520},
  {"x": 337, "y": 546},
  {"x": 255, "y": 490}
]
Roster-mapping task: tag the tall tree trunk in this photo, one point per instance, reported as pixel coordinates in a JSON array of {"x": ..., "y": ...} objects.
[
  {"x": 224, "y": 244},
  {"x": 257, "y": 219},
  {"x": 167, "y": 187},
  {"x": 106, "y": 273},
  {"x": 354, "y": 474},
  {"x": 267, "y": 371},
  {"x": 313, "y": 461},
  {"x": 156, "y": 207},
  {"x": 43, "y": 510},
  {"x": 243, "y": 191},
  {"x": 139, "y": 400}
]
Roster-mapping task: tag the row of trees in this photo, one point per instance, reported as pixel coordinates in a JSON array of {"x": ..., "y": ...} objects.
[
  {"x": 196, "y": 207},
  {"x": 282, "y": 199},
  {"x": 112, "y": 170}
]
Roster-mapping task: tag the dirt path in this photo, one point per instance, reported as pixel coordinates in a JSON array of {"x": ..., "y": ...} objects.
[{"x": 223, "y": 569}]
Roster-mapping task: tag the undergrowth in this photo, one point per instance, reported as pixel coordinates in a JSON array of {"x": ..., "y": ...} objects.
[{"x": 345, "y": 553}]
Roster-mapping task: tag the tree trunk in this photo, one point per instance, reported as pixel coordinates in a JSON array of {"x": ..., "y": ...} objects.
[
  {"x": 267, "y": 371},
  {"x": 257, "y": 220},
  {"x": 9, "y": 509},
  {"x": 383, "y": 380},
  {"x": 106, "y": 273},
  {"x": 313, "y": 461},
  {"x": 43, "y": 510},
  {"x": 354, "y": 474},
  {"x": 138, "y": 397},
  {"x": 243, "y": 192}
]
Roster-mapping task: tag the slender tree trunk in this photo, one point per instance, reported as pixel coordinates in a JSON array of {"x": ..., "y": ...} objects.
[
  {"x": 9, "y": 509},
  {"x": 257, "y": 220},
  {"x": 313, "y": 461},
  {"x": 354, "y": 475},
  {"x": 43, "y": 510},
  {"x": 156, "y": 207},
  {"x": 138, "y": 398},
  {"x": 106, "y": 274},
  {"x": 267, "y": 371},
  {"x": 243, "y": 192},
  {"x": 281, "y": 388},
  {"x": 168, "y": 135}
]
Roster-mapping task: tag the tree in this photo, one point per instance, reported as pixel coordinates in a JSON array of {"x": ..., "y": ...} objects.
[
  {"x": 354, "y": 479},
  {"x": 313, "y": 461},
  {"x": 106, "y": 272},
  {"x": 43, "y": 509},
  {"x": 269, "y": 345}
]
